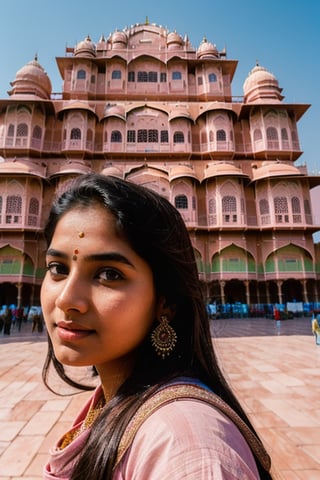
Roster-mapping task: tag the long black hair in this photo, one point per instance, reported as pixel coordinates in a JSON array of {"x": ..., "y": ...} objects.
[{"x": 156, "y": 232}]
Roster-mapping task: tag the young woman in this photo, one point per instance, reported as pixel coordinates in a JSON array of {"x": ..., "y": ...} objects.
[{"x": 121, "y": 294}]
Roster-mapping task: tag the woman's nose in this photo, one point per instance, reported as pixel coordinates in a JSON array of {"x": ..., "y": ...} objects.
[{"x": 73, "y": 296}]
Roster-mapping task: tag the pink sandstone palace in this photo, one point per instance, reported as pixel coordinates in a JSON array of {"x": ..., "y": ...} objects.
[{"x": 145, "y": 105}]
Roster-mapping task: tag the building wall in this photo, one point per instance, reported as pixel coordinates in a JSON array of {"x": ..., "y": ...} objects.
[{"x": 147, "y": 106}]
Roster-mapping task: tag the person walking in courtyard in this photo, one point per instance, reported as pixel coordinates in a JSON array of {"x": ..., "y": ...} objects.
[{"x": 122, "y": 294}]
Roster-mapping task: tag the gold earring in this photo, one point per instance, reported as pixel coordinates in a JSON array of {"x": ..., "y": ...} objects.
[{"x": 163, "y": 338}]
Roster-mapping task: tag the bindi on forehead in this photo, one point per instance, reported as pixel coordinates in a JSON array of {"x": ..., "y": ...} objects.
[{"x": 76, "y": 250}]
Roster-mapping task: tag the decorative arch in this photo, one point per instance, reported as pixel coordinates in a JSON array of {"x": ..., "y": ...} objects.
[
  {"x": 289, "y": 259},
  {"x": 233, "y": 259}
]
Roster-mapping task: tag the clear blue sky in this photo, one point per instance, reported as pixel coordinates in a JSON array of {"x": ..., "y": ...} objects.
[{"x": 281, "y": 35}]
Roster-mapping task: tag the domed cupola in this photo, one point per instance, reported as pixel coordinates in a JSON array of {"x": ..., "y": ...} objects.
[
  {"x": 32, "y": 80},
  {"x": 119, "y": 40},
  {"x": 207, "y": 50},
  {"x": 85, "y": 48},
  {"x": 261, "y": 85},
  {"x": 174, "y": 40}
]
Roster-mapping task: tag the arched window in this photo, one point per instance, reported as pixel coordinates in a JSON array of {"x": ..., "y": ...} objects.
[
  {"x": 284, "y": 134},
  {"x": 22, "y": 130},
  {"x": 75, "y": 134},
  {"x": 178, "y": 137},
  {"x": 116, "y": 136},
  {"x": 264, "y": 211},
  {"x": 264, "y": 207},
  {"x": 11, "y": 130},
  {"x": 272, "y": 138},
  {"x": 212, "y": 77},
  {"x": 296, "y": 210},
  {"x": 181, "y": 202},
  {"x": 81, "y": 75},
  {"x": 257, "y": 135},
  {"x": 33, "y": 211},
  {"x": 221, "y": 136},
  {"x": 212, "y": 209},
  {"x": 116, "y": 75},
  {"x": 281, "y": 209},
  {"x": 229, "y": 209},
  {"x": 13, "y": 209},
  {"x": 37, "y": 132}
]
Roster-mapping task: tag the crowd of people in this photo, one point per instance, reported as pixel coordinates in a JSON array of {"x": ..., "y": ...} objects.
[{"x": 14, "y": 318}]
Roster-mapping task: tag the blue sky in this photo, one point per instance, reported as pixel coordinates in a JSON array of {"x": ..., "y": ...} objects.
[{"x": 282, "y": 36}]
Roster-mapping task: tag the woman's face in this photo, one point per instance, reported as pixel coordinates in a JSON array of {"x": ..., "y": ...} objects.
[{"x": 98, "y": 295}]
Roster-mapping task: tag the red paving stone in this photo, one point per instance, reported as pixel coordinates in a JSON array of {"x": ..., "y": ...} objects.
[{"x": 273, "y": 368}]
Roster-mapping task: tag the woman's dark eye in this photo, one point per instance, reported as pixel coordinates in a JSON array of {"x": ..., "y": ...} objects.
[
  {"x": 110, "y": 275},
  {"x": 56, "y": 268}
]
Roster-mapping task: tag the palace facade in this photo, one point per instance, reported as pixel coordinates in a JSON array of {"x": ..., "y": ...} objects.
[{"x": 147, "y": 106}]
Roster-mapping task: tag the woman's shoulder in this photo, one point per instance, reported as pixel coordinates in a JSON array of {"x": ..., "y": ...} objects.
[{"x": 190, "y": 439}]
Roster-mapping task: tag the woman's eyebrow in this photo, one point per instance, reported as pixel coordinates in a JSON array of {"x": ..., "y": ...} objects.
[
  {"x": 52, "y": 252},
  {"x": 109, "y": 256}
]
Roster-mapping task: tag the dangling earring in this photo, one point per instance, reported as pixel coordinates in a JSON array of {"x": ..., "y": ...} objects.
[{"x": 163, "y": 338}]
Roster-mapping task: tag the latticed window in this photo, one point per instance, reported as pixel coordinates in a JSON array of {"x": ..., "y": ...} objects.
[
  {"x": 34, "y": 206},
  {"x": 264, "y": 211},
  {"x": 164, "y": 136},
  {"x": 272, "y": 133},
  {"x": 296, "y": 209},
  {"x": 116, "y": 136},
  {"x": 142, "y": 136},
  {"x": 181, "y": 201},
  {"x": 33, "y": 211},
  {"x": 14, "y": 204},
  {"x": 281, "y": 209},
  {"x": 13, "y": 209},
  {"x": 178, "y": 137},
  {"x": 153, "y": 76},
  {"x": 142, "y": 76},
  {"x": 221, "y": 136},
  {"x": 131, "y": 136},
  {"x": 22, "y": 130},
  {"x": 37, "y": 132},
  {"x": 153, "y": 136},
  {"x": 75, "y": 134},
  {"x": 284, "y": 134},
  {"x": 212, "y": 209},
  {"x": 264, "y": 207},
  {"x": 229, "y": 209}
]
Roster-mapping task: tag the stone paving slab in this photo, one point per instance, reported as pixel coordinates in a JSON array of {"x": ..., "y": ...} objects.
[{"x": 273, "y": 369}]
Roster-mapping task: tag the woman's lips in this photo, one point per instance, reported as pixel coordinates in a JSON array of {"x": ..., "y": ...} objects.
[{"x": 72, "y": 332}]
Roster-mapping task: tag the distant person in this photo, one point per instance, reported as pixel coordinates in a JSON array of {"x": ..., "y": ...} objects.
[
  {"x": 316, "y": 329},
  {"x": 7, "y": 318}
]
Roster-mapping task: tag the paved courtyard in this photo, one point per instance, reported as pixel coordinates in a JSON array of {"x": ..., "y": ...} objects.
[{"x": 274, "y": 368}]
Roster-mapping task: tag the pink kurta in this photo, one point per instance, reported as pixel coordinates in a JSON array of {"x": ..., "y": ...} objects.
[{"x": 185, "y": 439}]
